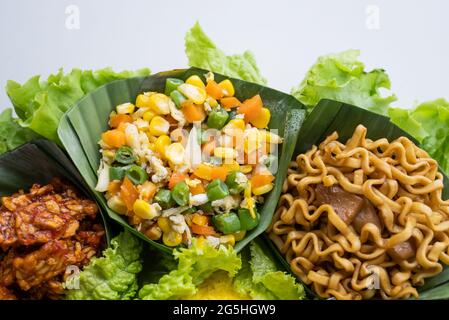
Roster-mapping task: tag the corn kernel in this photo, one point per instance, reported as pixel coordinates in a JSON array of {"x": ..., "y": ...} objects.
[
  {"x": 196, "y": 94},
  {"x": 271, "y": 137},
  {"x": 246, "y": 168},
  {"x": 234, "y": 127},
  {"x": 227, "y": 87},
  {"x": 263, "y": 119},
  {"x": 263, "y": 189},
  {"x": 164, "y": 224},
  {"x": 159, "y": 103},
  {"x": 161, "y": 143},
  {"x": 203, "y": 171},
  {"x": 117, "y": 204},
  {"x": 228, "y": 239},
  {"x": 175, "y": 153},
  {"x": 212, "y": 102},
  {"x": 225, "y": 153},
  {"x": 148, "y": 115},
  {"x": 171, "y": 238},
  {"x": 144, "y": 210},
  {"x": 196, "y": 81},
  {"x": 154, "y": 232},
  {"x": 159, "y": 126},
  {"x": 200, "y": 219},
  {"x": 125, "y": 108},
  {"x": 239, "y": 235},
  {"x": 143, "y": 101},
  {"x": 233, "y": 166}
]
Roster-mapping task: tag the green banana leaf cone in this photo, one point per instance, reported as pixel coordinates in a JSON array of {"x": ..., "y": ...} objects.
[
  {"x": 329, "y": 116},
  {"x": 81, "y": 127}
]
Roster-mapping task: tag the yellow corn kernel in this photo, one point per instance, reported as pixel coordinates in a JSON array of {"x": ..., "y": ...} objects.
[
  {"x": 159, "y": 103},
  {"x": 154, "y": 232},
  {"x": 239, "y": 235},
  {"x": 211, "y": 101},
  {"x": 227, "y": 87},
  {"x": 225, "y": 153},
  {"x": 203, "y": 171},
  {"x": 125, "y": 108},
  {"x": 152, "y": 146},
  {"x": 263, "y": 189},
  {"x": 148, "y": 115},
  {"x": 234, "y": 127},
  {"x": 271, "y": 137},
  {"x": 109, "y": 154},
  {"x": 247, "y": 168},
  {"x": 200, "y": 219},
  {"x": 143, "y": 101},
  {"x": 175, "y": 153},
  {"x": 151, "y": 138},
  {"x": 196, "y": 94},
  {"x": 249, "y": 200},
  {"x": 171, "y": 238},
  {"x": 233, "y": 166},
  {"x": 144, "y": 210},
  {"x": 164, "y": 224},
  {"x": 117, "y": 204},
  {"x": 196, "y": 81},
  {"x": 159, "y": 126},
  {"x": 161, "y": 143},
  {"x": 263, "y": 119},
  {"x": 228, "y": 239}
]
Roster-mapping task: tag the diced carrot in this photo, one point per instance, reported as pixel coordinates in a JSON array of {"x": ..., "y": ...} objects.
[
  {"x": 128, "y": 193},
  {"x": 251, "y": 108},
  {"x": 175, "y": 178},
  {"x": 219, "y": 173},
  {"x": 259, "y": 180},
  {"x": 197, "y": 189},
  {"x": 117, "y": 119},
  {"x": 230, "y": 102},
  {"x": 203, "y": 230},
  {"x": 147, "y": 190},
  {"x": 208, "y": 147},
  {"x": 214, "y": 90},
  {"x": 122, "y": 126},
  {"x": 114, "y": 138},
  {"x": 203, "y": 171},
  {"x": 114, "y": 186},
  {"x": 193, "y": 112}
]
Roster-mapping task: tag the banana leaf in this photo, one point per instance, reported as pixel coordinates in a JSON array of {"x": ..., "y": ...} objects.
[
  {"x": 329, "y": 116},
  {"x": 39, "y": 161},
  {"x": 81, "y": 127}
]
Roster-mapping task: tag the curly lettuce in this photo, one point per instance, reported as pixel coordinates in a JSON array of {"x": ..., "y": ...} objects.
[
  {"x": 40, "y": 104},
  {"x": 12, "y": 135},
  {"x": 261, "y": 279},
  {"x": 113, "y": 276},
  {"x": 429, "y": 124},
  {"x": 342, "y": 77},
  {"x": 195, "y": 264},
  {"x": 203, "y": 53}
]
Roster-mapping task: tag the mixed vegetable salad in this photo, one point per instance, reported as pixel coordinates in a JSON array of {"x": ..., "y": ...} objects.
[{"x": 194, "y": 161}]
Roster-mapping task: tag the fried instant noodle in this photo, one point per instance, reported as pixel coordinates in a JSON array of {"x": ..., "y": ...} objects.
[{"x": 363, "y": 219}]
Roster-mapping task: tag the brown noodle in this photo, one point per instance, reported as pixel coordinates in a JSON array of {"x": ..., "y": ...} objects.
[{"x": 403, "y": 184}]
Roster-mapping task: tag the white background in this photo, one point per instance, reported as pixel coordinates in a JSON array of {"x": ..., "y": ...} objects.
[{"x": 285, "y": 36}]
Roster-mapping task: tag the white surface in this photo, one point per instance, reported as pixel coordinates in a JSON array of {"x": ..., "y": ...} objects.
[{"x": 286, "y": 37}]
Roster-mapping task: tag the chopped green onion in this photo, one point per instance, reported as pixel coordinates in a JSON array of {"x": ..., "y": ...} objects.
[
  {"x": 271, "y": 163},
  {"x": 206, "y": 208},
  {"x": 227, "y": 222},
  {"x": 236, "y": 182},
  {"x": 180, "y": 193},
  {"x": 172, "y": 84},
  {"x": 216, "y": 190},
  {"x": 177, "y": 98},
  {"x": 217, "y": 119},
  {"x": 125, "y": 155},
  {"x": 117, "y": 173},
  {"x": 164, "y": 199},
  {"x": 216, "y": 161},
  {"x": 137, "y": 174},
  {"x": 247, "y": 222}
]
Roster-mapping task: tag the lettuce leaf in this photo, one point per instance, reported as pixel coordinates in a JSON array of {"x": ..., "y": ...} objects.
[
  {"x": 12, "y": 134},
  {"x": 203, "y": 53},
  {"x": 342, "y": 77},
  {"x": 195, "y": 264},
  {"x": 40, "y": 104},
  {"x": 429, "y": 124},
  {"x": 113, "y": 276},
  {"x": 261, "y": 279}
]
